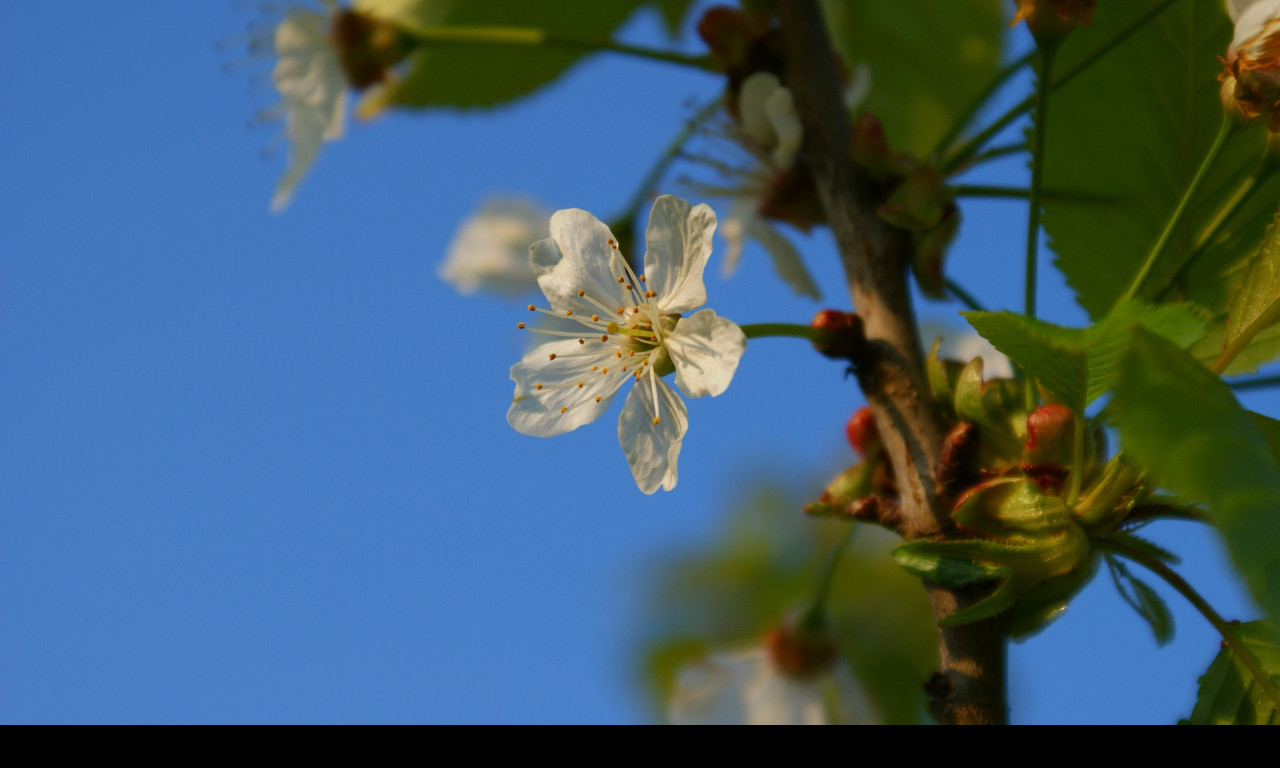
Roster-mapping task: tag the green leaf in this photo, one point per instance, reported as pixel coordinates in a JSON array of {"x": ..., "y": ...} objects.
[
  {"x": 1256, "y": 306},
  {"x": 1078, "y": 365},
  {"x": 1143, "y": 599},
  {"x": 1134, "y": 126},
  {"x": 1184, "y": 426},
  {"x": 1229, "y": 695},
  {"x": 917, "y": 95},
  {"x": 475, "y": 75},
  {"x": 1052, "y": 355},
  {"x": 926, "y": 562}
]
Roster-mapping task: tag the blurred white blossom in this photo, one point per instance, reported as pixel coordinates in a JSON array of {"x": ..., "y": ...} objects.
[
  {"x": 490, "y": 251},
  {"x": 964, "y": 345},
  {"x": 313, "y": 90},
  {"x": 746, "y": 687}
]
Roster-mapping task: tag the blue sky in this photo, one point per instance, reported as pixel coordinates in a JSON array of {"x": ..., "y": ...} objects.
[{"x": 256, "y": 468}]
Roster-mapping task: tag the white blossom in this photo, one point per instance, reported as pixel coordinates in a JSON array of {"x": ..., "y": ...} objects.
[
  {"x": 313, "y": 90},
  {"x": 490, "y": 251},
  {"x": 746, "y": 687},
  {"x": 632, "y": 329},
  {"x": 965, "y": 345}
]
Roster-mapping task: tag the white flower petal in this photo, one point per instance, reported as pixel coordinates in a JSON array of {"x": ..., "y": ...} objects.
[
  {"x": 652, "y": 449},
  {"x": 705, "y": 350},
  {"x": 490, "y": 252},
  {"x": 858, "y": 88},
  {"x": 745, "y": 688},
  {"x": 786, "y": 259},
  {"x": 754, "y": 93},
  {"x": 678, "y": 244},
  {"x": 578, "y": 257},
  {"x": 966, "y": 345},
  {"x": 786, "y": 127},
  {"x": 734, "y": 232},
  {"x": 538, "y": 411},
  {"x": 310, "y": 80},
  {"x": 1253, "y": 21},
  {"x": 1236, "y": 8}
]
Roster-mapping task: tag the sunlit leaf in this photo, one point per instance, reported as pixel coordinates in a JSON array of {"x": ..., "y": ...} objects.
[
  {"x": 1134, "y": 126},
  {"x": 1183, "y": 425},
  {"x": 1229, "y": 694},
  {"x": 1256, "y": 305}
]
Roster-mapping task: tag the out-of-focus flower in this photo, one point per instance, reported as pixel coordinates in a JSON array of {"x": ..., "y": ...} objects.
[
  {"x": 962, "y": 345},
  {"x": 772, "y": 188},
  {"x": 1052, "y": 20},
  {"x": 313, "y": 90},
  {"x": 632, "y": 328},
  {"x": 763, "y": 685},
  {"x": 1251, "y": 77},
  {"x": 490, "y": 251}
]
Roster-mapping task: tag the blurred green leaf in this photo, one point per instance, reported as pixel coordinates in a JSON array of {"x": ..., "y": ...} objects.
[
  {"x": 1228, "y": 693},
  {"x": 1134, "y": 126},
  {"x": 929, "y": 60},
  {"x": 474, "y": 75},
  {"x": 1184, "y": 426},
  {"x": 1142, "y": 599}
]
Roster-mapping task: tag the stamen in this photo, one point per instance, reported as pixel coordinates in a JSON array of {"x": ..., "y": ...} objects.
[
  {"x": 595, "y": 367},
  {"x": 532, "y": 308},
  {"x": 568, "y": 313},
  {"x": 520, "y": 326},
  {"x": 537, "y": 386},
  {"x": 618, "y": 353},
  {"x": 579, "y": 385},
  {"x": 597, "y": 398},
  {"x": 642, "y": 278},
  {"x": 551, "y": 356},
  {"x": 604, "y": 337},
  {"x": 582, "y": 341},
  {"x": 655, "y": 420},
  {"x": 581, "y": 294},
  {"x": 604, "y": 370},
  {"x": 622, "y": 280},
  {"x": 620, "y": 310},
  {"x": 595, "y": 318},
  {"x": 565, "y": 408}
]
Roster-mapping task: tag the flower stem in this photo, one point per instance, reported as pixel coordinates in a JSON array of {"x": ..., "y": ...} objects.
[
  {"x": 1224, "y": 627},
  {"x": 971, "y": 147},
  {"x": 984, "y": 190},
  {"x": 963, "y": 296},
  {"x": 1242, "y": 193},
  {"x": 1214, "y": 150},
  {"x": 667, "y": 157},
  {"x": 1260, "y": 382},
  {"x": 980, "y": 101},
  {"x": 817, "y": 608},
  {"x": 760, "y": 330},
  {"x": 1043, "y": 86},
  {"x": 998, "y": 152},
  {"x": 534, "y": 37}
]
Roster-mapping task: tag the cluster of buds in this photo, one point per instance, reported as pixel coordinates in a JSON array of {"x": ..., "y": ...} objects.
[
  {"x": 915, "y": 199},
  {"x": 1017, "y": 522},
  {"x": 1251, "y": 69},
  {"x": 866, "y": 490}
]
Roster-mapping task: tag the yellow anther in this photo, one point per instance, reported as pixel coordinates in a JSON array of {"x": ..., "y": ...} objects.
[
  {"x": 629, "y": 286},
  {"x": 622, "y": 280},
  {"x": 642, "y": 278},
  {"x": 579, "y": 385},
  {"x": 597, "y": 398},
  {"x": 655, "y": 420},
  {"x": 610, "y": 241},
  {"x": 568, "y": 313},
  {"x": 582, "y": 341},
  {"x": 595, "y": 318},
  {"x": 531, "y": 307},
  {"x": 620, "y": 310},
  {"x": 537, "y": 386},
  {"x": 581, "y": 294},
  {"x": 604, "y": 337},
  {"x": 632, "y": 353},
  {"x": 618, "y": 353},
  {"x": 562, "y": 410},
  {"x": 520, "y": 325},
  {"x": 551, "y": 356},
  {"x": 604, "y": 370},
  {"x": 595, "y": 367}
]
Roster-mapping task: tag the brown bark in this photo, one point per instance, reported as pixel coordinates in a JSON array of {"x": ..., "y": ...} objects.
[{"x": 969, "y": 687}]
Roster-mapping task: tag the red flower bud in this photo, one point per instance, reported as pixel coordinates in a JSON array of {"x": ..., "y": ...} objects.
[
  {"x": 1050, "y": 434},
  {"x": 861, "y": 432},
  {"x": 800, "y": 652},
  {"x": 843, "y": 333}
]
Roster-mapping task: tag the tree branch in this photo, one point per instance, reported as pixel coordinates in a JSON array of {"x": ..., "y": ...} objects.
[{"x": 970, "y": 686}]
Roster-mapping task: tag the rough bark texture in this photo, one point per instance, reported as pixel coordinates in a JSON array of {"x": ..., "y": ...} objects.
[{"x": 970, "y": 684}]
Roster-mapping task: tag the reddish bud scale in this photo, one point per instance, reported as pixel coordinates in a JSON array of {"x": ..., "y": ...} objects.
[
  {"x": 1050, "y": 435},
  {"x": 861, "y": 431},
  {"x": 843, "y": 330},
  {"x": 799, "y": 654}
]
